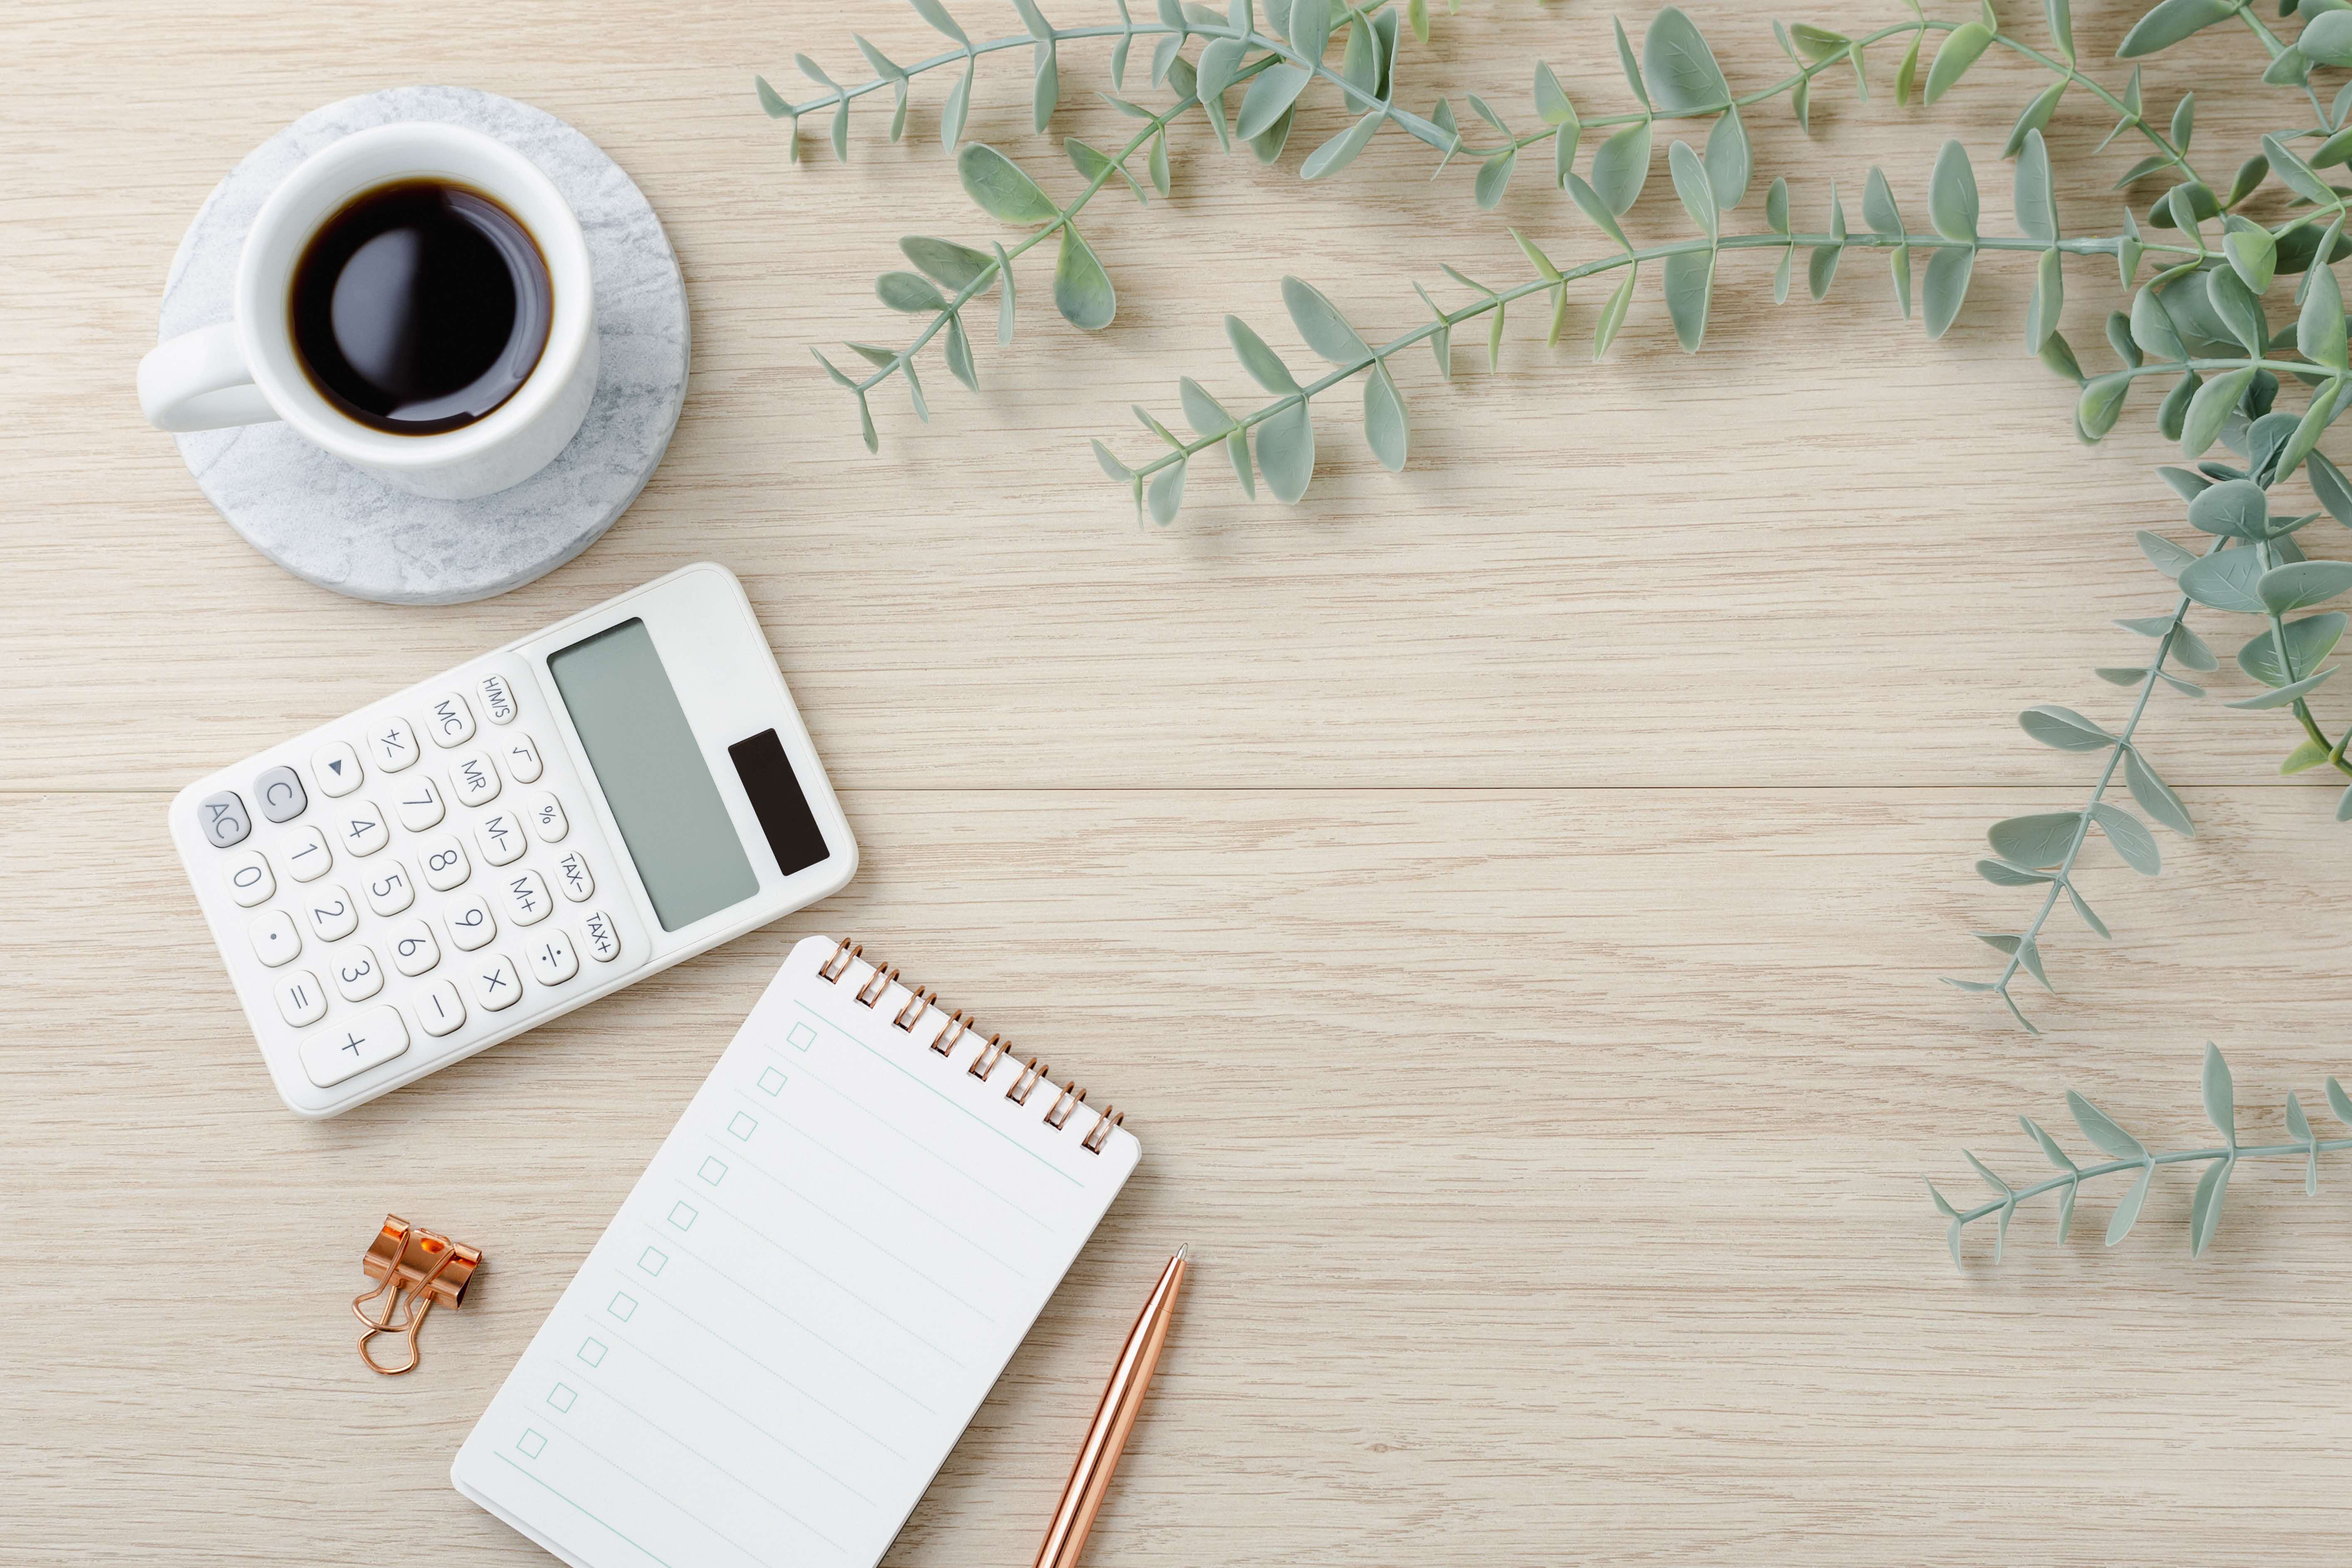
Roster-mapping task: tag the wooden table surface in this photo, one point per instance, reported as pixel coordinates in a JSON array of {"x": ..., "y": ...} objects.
[{"x": 1507, "y": 897}]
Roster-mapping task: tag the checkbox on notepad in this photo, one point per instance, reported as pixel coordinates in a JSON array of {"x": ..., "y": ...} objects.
[
  {"x": 623, "y": 1306},
  {"x": 653, "y": 1259},
  {"x": 714, "y": 1170},
  {"x": 802, "y": 1036},
  {"x": 531, "y": 1444},
  {"x": 683, "y": 1215},
  {"x": 562, "y": 1396},
  {"x": 744, "y": 1125},
  {"x": 771, "y": 1081},
  {"x": 593, "y": 1353}
]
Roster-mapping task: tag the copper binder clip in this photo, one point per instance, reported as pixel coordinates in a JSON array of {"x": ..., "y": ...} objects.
[{"x": 419, "y": 1271}]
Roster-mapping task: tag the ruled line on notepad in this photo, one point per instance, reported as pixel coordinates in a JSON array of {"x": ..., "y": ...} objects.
[
  {"x": 911, "y": 1206},
  {"x": 707, "y": 1198},
  {"x": 587, "y": 1514},
  {"x": 660, "y": 1298},
  {"x": 671, "y": 1239},
  {"x": 626, "y": 1335},
  {"x": 883, "y": 1057},
  {"x": 715, "y": 1467},
  {"x": 783, "y": 1185},
  {"x": 855, "y": 1104}
]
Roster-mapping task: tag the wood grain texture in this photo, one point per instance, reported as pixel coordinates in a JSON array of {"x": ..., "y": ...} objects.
[{"x": 1507, "y": 897}]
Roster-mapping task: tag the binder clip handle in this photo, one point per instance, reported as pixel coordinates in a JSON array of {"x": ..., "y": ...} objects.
[{"x": 418, "y": 1270}]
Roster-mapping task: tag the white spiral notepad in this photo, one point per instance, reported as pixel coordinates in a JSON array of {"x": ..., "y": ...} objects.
[{"x": 775, "y": 1343}]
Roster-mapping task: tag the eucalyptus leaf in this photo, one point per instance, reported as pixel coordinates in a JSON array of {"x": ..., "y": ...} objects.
[
  {"x": 1692, "y": 186},
  {"x": 953, "y": 266},
  {"x": 1271, "y": 93},
  {"x": 2167, "y": 25},
  {"x": 2283, "y": 589},
  {"x": 1621, "y": 167},
  {"x": 2155, "y": 797},
  {"x": 909, "y": 291},
  {"x": 2032, "y": 842},
  {"x": 1690, "y": 285},
  {"x": 1612, "y": 314},
  {"x": 2036, "y": 205},
  {"x": 1961, "y": 49},
  {"x": 1341, "y": 151},
  {"x": 1952, "y": 194},
  {"x": 1679, "y": 68},
  {"x": 1387, "y": 427},
  {"x": 2225, "y": 581},
  {"x": 1945, "y": 288},
  {"x": 2210, "y": 408},
  {"x": 2308, "y": 642},
  {"x": 1730, "y": 161},
  {"x": 1286, "y": 451},
  {"x": 2065, "y": 728},
  {"x": 1082, "y": 290},
  {"x": 2130, "y": 838},
  {"x": 997, "y": 183},
  {"x": 2126, "y": 1213},
  {"x": 2102, "y": 1130},
  {"x": 1265, "y": 366},
  {"x": 1318, "y": 321}
]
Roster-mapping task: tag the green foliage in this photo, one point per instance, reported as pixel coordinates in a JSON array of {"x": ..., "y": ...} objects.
[
  {"x": 2241, "y": 323},
  {"x": 2127, "y": 1153}
]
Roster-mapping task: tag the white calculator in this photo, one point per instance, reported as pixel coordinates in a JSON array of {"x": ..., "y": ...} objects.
[{"x": 495, "y": 846}]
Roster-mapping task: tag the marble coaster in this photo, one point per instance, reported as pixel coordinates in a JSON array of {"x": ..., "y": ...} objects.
[{"x": 331, "y": 524}]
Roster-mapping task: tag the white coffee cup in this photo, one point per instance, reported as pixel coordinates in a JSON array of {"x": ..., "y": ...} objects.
[{"x": 247, "y": 371}]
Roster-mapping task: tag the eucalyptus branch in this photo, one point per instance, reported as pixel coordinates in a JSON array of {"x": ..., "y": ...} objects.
[
  {"x": 2129, "y": 1154},
  {"x": 2025, "y": 843}
]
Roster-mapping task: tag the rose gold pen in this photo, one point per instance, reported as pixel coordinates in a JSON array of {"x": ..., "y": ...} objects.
[{"x": 1122, "y": 1398}]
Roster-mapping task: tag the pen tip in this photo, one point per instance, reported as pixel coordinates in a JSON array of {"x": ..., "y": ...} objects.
[{"x": 1180, "y": 1251}]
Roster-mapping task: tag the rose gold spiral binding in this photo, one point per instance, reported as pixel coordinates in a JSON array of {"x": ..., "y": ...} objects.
[
  {"x": 1033, "y": 1073},
  {"x": 1066, "y": 1101},
  {"x": 1099, "y": 1133},
  {"x": 1069, "y": 1100},
  {"x": 951, "y": 1033},
  {"x": 916, "y": 1005},
  {"x": 990, "y": 1055}
]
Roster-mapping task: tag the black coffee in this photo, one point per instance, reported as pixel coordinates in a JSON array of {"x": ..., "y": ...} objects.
[{"x": 420, "y": 307}]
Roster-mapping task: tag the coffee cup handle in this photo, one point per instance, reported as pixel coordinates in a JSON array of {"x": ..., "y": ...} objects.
[{"x": 198, "y": 382}]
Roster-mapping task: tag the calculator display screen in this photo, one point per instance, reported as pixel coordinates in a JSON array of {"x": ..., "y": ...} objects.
[{"x": 650, "y": 767}]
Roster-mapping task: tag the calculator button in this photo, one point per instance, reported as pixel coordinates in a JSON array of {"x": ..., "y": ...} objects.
[
  {"x": 547, "y": 818},
  {"x": 501, "y": 838},
  {"x": 332, "y": 914},
  {"x": 527, "y": 898},
  {"x": 393, "y": 745},
  {"x": 444, "y": 862},
  {"x": 571, "y": 876},
  {"x": 279, "y": 790},
  {"x": 222, "y": 818},
  {"x": 306, "y": 853},
  {"x": 418, "y": 804},
  {"x": 450, "y": 723},
  {"x": 475, "y": 779},
  {"x": 360, "y": 827},
  {"x": 300, "y": 999},
  {"x": 553, "y": 961},
  {"x": 414, "y": 951},
  {"x": 521, "y": 759},
  {"x": 337, "y": 768},
  {"x": 439, "y": 1008},
  {"x": 389, "y": 890},
  {"x": 498, "y": 699},
  {"x": 470, "y": 924},
  {"x": 601, "y": 936},
  {"x": 358, "y": 975},
  {"x": 275, "y": 939},
  {"x": 250, "y": 880},
  {"x": 496, "y": 984},
  {"x": 371, "y": 1039}
]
